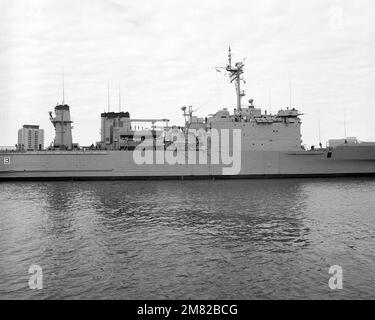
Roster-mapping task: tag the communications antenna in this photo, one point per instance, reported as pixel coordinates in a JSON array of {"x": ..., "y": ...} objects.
[{"x": 235, "y": 73}]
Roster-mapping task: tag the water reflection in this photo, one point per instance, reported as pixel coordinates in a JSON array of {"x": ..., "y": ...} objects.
[
  {"x": 249, "y": 211},
  {"x": 182, "y": 239}
]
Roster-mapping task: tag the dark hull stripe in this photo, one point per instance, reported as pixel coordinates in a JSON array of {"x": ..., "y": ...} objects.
[{"x": 197, "y": 177}]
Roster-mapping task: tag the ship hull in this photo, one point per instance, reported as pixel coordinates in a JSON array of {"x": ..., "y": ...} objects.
[{"x": 355, "y": 160}]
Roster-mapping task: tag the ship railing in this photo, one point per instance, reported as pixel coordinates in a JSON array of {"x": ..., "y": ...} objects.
[{"x": 8, "y": 149}]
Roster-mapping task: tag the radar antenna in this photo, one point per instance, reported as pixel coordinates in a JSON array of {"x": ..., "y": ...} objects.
[{"x": 235, "y": 73}]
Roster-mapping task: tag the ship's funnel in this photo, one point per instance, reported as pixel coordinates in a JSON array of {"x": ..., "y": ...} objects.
[{"x": 63, "y": 127}]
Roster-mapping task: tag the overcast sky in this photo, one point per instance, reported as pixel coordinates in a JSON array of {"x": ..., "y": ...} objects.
[{"x": 164, "y": 53}]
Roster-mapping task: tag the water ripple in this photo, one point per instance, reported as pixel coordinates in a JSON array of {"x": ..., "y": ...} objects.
[{"x": 190, "y": 239}]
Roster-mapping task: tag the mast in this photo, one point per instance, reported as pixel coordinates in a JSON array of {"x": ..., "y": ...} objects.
[
  {"x": 320, "y": 138},
  {"x": 230, "y": 58},
  {"x": 235, "y": 76},
  {"x": 62, "y": 114},
  {"x": 109, "y": 106},
  {"x": 119, "y": 98},
  {"x": 290, "y": 90},
  {"x": 269, "y": 100},
  {"x": 63, "y": 89},
  {"x": 345, "y": 122}
]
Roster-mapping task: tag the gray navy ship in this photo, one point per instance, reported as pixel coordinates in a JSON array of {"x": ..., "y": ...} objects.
[{"x": 245, "y": 143}]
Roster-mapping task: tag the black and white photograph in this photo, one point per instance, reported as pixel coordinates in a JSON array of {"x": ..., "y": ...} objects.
[{"x": 201, "y": 152}]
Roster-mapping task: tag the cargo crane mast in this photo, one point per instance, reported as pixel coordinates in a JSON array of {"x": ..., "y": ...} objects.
[{"x": 188, "y": 116}]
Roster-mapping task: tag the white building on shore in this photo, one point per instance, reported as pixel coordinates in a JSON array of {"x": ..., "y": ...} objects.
[{"x": 30, "y": 138}]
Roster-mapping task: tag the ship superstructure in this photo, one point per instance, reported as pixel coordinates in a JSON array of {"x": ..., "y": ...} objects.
[
  {"x": 118, "y": 130},
  {"x": 63, "y": 127},
  {"x": 262, "y": 145},
  {"x": 261, "y": 131}
]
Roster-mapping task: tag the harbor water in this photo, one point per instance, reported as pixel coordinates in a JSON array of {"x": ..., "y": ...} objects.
[{"x": 222, "y": 239}]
